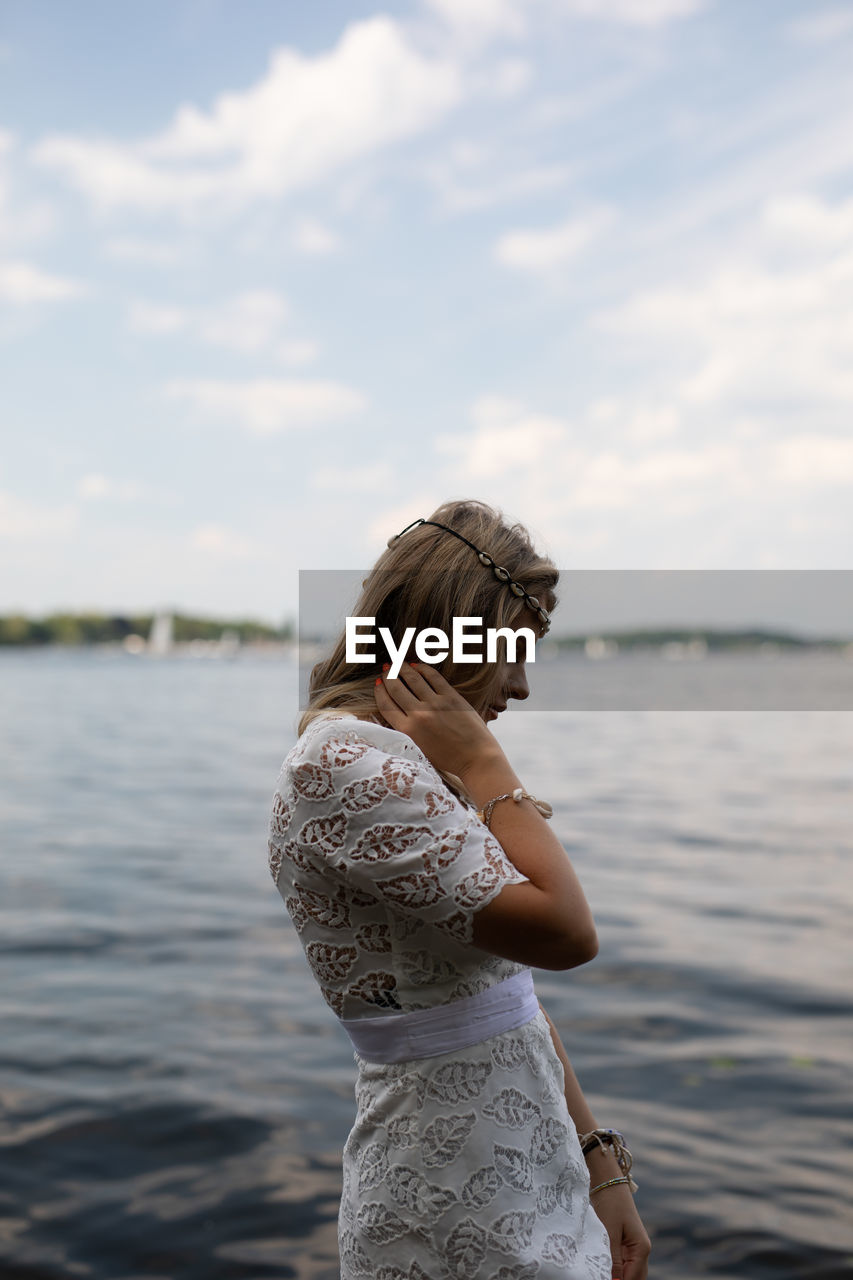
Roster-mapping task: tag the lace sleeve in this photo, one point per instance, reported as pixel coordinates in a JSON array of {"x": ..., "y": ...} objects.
[{"x": 390, "y": 827}]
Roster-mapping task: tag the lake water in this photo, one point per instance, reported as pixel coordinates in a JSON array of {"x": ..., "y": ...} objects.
[{"x": 174, "y": 1092}]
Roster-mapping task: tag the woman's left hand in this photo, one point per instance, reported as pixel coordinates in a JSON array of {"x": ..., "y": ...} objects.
[{"x": 629, "y": 1244}]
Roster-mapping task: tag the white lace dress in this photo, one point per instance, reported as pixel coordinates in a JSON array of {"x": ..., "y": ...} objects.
[{"x": 465, "y": 1165}]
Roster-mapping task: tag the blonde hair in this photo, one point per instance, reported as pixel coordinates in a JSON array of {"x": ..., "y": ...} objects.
[{"x": 425, "y": 579}]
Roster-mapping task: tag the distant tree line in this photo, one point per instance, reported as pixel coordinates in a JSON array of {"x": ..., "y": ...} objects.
[
  {"x": 715, "y": 641},
  {"x": 101, "y": 628}
]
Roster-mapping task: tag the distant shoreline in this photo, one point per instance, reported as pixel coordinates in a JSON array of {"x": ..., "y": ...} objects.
[
  {"x": 696, "y": 641},
  {"x": 137, "y": 633},
  {"x": 134, "y": 631}
]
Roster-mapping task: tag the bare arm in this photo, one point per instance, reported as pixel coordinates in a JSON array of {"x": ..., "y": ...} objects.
[
  {"x": 545, "y": 922},
  {"x": 629, "y": 1243}
]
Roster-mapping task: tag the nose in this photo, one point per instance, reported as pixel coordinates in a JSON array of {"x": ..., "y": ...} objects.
[{"x": 517, "y": 686}]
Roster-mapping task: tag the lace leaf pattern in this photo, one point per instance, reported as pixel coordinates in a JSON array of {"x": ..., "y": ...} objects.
[
  {"x": 481, "y": 1188},
  {"x": 399, "y": 776},
  {"x": 515, "y": 1168},
  {"x": 410, "y": 1190},
  {"x": 445, "y": 1137},
  {"x": 466, "y": 1247},
  {"x": 280, "y": 819},
  {"x": 482, "y": 1199},
  {"x": 461, "y": 1167},
  {"x": 512, "y": 1109},
  {"x": 325, "y": 834},
  {"x": 559, "y": 1248},
  {"x": 387, "y": 841},
  {"x": 455, "y": 1082},
  {"x": 512, "y": 1232},
  {"x": 364, "y": 794},
  {"x": 313, "y": 782}
]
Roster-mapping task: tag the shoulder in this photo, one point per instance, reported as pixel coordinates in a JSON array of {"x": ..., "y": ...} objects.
[
  {"x": 336, "y": 750},
  {"x": 357, "y": 775},
  {"x": 334, "y": 742}
]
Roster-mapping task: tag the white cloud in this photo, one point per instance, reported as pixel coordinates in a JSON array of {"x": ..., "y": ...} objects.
[
  {"x": 635, "y": 423},
  {"x": 821, "y": 27},
  {"x": 96, "y": 487},
  {"x": 749, "y": 332},
  {"x": 669, "y": 478},
  {"x": 635, "y": 488},
  {"x": 156, "y": 318},
  {"x": 373, "y": 478},
  {"x": 814, "y": 460},
  {"x": 223, "y": 543},
  {"x": 640, "y": 13},
  {"x": 23, "y": 520},
  {"x": 504, "y": 78},
  {"x": 313, "y": 238},
  {"x": 547, "y": 249},
  {"x": 266, "y": 406},
  {"x": 559, "y": 465},
  {"x": 476, "y": 21},
  {"x": 391, "y": 520},
  {"x": 466, "y": 177},
  {"x": 23, "y": 284},
  {"x": 298, "y": 352},
  {"x": 505, "y": 436},
  {"x": 151, "y": 253},
  {"x": 804, "y": 221},
  {"x": 304, "y": 120},
  {"x": 250, "y": 322},
  {"x": 767, "y": 328},
  {"x": 21, "y": 221}
]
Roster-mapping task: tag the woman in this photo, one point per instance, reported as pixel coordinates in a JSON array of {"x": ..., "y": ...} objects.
[{"x": 424, "y": 881}]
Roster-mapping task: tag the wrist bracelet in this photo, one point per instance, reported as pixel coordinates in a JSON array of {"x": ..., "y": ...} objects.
[
  {"x": 613, "y": 1182},
  {"x": 519, "y": 794},
  {"x": 604, "y": 1138}
]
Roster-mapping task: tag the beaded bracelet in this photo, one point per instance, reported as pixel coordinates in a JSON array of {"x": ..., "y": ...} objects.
[
  {"x": 612, "y": 1138},
  {"x": 519, "y": 794},
  {"x": 613, "y": 1182}
]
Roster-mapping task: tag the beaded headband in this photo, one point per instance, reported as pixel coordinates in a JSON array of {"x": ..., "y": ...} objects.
[{"x": 502, "y": 575}]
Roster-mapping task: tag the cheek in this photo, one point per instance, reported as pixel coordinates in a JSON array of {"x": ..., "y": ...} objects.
[
  {"x": 490, "y": 692},
  {"x": 498, "y": 682}
]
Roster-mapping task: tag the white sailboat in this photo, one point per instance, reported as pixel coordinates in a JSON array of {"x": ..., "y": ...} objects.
[{"x": 161, "y": 637}]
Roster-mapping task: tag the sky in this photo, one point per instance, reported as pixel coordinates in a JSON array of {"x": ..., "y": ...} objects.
[{"x": 277, "y": 278}]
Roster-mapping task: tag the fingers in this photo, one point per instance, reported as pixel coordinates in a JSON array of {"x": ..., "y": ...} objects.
[
  {"x": 391, "y": 713},
  {"x": 399, "y": 690},
  {"x": 432, "y": 688},
  {"x": 407, "y": 692},
  {"x": 635, "y": 1257},
  {"x": 414, "y": 678},
  {"x": 635, "y": 1269},
  {"x": 430, "y": 676}
]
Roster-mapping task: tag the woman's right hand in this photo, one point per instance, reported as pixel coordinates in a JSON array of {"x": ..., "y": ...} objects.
[{"x": 422, "y": 704}]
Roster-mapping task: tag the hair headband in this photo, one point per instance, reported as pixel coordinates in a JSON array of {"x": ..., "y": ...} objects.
[{"x": 500, "y": 573}]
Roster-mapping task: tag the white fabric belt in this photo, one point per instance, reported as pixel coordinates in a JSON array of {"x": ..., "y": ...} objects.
[{"x": 427, "y": 1033}]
